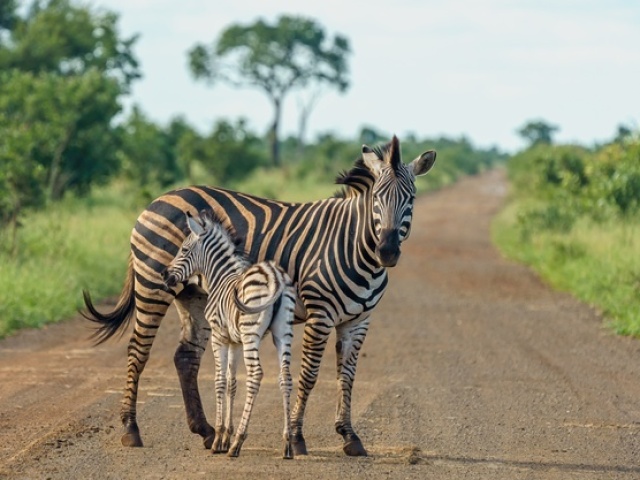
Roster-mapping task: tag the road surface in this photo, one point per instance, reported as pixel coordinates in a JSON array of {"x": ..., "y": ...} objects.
[{"x": 473, "y": 368}]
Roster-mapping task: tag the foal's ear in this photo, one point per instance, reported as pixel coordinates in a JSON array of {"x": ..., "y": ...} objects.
[
  {"x": 195, "y": 226},
  {"x": 423, "y": 163}
]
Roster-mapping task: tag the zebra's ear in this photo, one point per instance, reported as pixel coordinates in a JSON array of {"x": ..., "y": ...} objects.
[
  {"x": 423, "y": 163},
  {"x": 207, "y": 219},
  {"x": 195, "y": 226},
  {"x": 371, "y": 160},
  {"x": 394, "y": 154}
]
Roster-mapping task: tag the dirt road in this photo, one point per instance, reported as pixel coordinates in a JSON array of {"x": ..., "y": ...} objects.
[{"x": 472, "y": 369}]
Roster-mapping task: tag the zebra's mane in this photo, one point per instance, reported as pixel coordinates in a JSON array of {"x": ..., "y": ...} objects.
[
  {"x": 236, "y": 239},
  {"x": 355, "y": 180},
  {"x": 359, "y": 178}
]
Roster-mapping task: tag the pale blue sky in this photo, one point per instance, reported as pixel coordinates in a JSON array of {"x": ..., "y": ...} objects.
[{"x": 433, "y": 67}]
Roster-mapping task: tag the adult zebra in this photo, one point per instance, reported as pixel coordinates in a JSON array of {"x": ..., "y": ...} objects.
[{"x": 335, "y": 250}]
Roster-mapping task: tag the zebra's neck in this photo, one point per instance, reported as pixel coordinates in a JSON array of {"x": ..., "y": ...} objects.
[{"x": 221, "y": 269}]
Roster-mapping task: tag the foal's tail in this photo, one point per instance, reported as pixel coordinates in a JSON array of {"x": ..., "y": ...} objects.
[
  {"x": 262, "y": 285},
  {"x": 109, "y": 323}
]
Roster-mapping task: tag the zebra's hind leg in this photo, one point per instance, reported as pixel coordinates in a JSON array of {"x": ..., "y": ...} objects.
[
  {"x": 349, "y": 339},
  {"x": 151, "y": 306},
  {"x": 193, "y": 341}
]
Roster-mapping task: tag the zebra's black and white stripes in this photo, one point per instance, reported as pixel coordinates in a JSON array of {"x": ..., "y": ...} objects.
[
  {"x": 244, "y": 301},
  {"x": 335, "y": 250}
]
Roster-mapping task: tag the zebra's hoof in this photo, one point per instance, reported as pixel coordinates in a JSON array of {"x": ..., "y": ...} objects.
[
  {"x": 354, "y": 448},
  {"x": 234, "y": 451},
  {"x": 131, "y": 439},
  {"x": 299, "y": 445}
]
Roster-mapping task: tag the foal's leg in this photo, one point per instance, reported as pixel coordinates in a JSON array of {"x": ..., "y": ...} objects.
[
  {"x": 235, "y": 354},
  {"x": 251, "y": 345},
  {"x": 282, "y": 332},
  {"x": 220, "y": 353}
]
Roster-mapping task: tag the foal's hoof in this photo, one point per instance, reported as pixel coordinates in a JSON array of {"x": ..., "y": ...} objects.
[
  {"x": 354, "y": 448},
  {"x": 288, "y": 450},
  {"x": 299, "y": 445}
]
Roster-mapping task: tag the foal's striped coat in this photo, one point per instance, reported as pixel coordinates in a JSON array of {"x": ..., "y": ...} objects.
[{"x": 244, "y": 302}]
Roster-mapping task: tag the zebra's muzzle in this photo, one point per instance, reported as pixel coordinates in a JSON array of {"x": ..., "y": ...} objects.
[
  {"x": 170, "y": 280},
  {"x": 388, "y": 249}
]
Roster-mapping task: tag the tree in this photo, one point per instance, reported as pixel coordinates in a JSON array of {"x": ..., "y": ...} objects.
[
  {"x": 538, "y": 132},
  {"x": 276, "y": 59},
  {"x": 148, "y": 152},
  {"x": 229, "y": 152},
  {"x": 66, "y": 122},
  {"x": 57, "y": 36},
  {"x": 8, "y": 15},
  {"x": 623, "y": 133},
  {"x": 64, "y": 68}
]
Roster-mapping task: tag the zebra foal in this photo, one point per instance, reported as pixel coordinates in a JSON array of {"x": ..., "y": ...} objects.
[{"x": 244, "y": 302}]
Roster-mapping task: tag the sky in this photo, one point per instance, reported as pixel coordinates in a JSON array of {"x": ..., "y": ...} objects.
[{"x": 479, "y": 69}]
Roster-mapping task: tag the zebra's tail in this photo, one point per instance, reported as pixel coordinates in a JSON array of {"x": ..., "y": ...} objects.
[{"x": 118, "y": 319}]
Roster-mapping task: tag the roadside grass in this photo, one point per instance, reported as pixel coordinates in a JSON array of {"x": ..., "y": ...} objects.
[
  {"x": 70, "y": 246},
  {"x": 599, "y": 263}
]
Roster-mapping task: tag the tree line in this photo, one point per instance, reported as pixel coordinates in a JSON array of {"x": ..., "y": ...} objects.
[{"x": 568, "y": 182}]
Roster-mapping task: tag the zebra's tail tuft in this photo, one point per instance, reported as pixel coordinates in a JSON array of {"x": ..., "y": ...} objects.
[{"x": 118, "y": 319}]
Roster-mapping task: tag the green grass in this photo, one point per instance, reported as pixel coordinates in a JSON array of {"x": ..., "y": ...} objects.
[
  {"x": 597, "y": 262},
  {"x": 60, "y": 251}
]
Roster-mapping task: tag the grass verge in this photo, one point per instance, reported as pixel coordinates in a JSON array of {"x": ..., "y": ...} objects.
[{"x": 597, "y": 262}]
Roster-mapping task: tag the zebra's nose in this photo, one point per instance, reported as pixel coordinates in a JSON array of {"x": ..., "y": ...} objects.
[
  {"x": 388, "y": 249},
  {"x": 169, "y": 279}
]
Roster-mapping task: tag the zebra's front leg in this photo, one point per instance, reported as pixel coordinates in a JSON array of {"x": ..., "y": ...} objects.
[
  {"x": 349, "y": 339},
  {"x": 314, "y": 341},
  {"x": 193, "y": 341}
]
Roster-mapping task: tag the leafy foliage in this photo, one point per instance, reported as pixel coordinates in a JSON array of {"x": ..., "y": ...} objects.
[
  {"x": 598, "y": 184},
  {"x": 229, "y": 152},
  {"x": 56, "y": 136},
  {"x": 575, "y": 216},
  {"x": 63, "y": 69},
  {"x": 60, "y": 37}
]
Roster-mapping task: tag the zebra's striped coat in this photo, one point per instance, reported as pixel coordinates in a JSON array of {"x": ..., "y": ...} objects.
[
  {"x": 335, "y": 250},
  {"x": 244, "y": 301}
]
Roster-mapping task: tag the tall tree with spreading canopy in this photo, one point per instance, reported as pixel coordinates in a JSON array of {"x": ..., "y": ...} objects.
[
  {"x": 275, "y": 58},
  {"x": 538, "y": 132}
]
